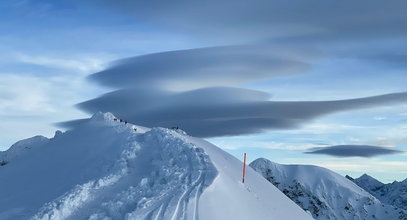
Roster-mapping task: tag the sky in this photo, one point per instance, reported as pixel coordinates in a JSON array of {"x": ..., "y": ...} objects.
[{"x": 303, "y": 82}]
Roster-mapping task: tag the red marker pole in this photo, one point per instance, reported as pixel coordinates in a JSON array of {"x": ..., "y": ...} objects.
[{"x": 244, "y": 167}]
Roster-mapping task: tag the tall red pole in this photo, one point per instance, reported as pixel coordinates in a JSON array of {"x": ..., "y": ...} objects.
[{"x": 244, "y": 167}]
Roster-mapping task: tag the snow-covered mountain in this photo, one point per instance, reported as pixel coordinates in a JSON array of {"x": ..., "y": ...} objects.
[
  {"x": 324, "y": 193},
  {"x": 105, "y": 169},
  {"x": 20, "y": 148},
  {"x": 367, "y": 182},
  {"x": 394, "y": 193}
]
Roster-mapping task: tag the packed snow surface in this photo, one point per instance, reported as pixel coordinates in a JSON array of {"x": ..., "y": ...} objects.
[
  {"x": 106, "y": 169},
  {"x": 324, "y": 193}
]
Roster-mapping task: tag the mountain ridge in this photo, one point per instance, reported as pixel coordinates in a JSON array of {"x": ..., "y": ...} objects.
[
  {"x": 324, "y": 193},
  {"x": 394, "y": 193},
  {"x": 105, "y": 169}
]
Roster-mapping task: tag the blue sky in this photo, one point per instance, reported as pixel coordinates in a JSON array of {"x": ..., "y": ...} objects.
[{"x": 302, "y": 53}]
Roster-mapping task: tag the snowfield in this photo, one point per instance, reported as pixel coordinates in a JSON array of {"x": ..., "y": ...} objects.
[{"x": 105, "y": 169}]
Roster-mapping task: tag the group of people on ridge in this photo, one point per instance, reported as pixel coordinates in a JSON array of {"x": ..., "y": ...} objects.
[{"x": 123, "y": 121}]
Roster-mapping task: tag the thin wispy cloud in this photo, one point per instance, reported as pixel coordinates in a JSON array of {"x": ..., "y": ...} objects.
[
  {"x": 83, "y": 65},
  {"x": 379, "y": 118}
]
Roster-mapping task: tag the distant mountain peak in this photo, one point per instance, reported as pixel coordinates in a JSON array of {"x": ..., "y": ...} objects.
[
  {"x": 365, "y": 176},
  {"x": 394, "y": 193},
  {"x": 368, "y": 180},
  {"x": 326, "y": 194},
  {"x": 262, "y": 162}
]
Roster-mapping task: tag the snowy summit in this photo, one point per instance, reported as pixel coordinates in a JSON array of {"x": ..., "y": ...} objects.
[
  {"x": 109, "y": 169},
  {"x": 326, "y": 194},
  {"x": 394, "y": 193}
]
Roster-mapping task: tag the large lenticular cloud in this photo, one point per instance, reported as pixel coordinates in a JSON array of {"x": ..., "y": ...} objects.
[
  {"x": 220, "y": 111},
  {"x": 214, "y": 66}
]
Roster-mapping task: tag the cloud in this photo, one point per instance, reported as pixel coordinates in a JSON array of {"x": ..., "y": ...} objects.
[
  {"x": 213, "y": 66},
  {"x": 261, "y": 18},
  {"x": 379, "y": 118},
  {"x": 268, "y": 145},
  {"x": 83, "y": 65},
  {"x": 20, "y": 98},
  {"x": 189, "y": 89},
  {"x": 353, "y": 151},
  {"x": 220, "y": 111},
  {"x": 30, "y": 103},
  {"x": 366, "y": 30}
]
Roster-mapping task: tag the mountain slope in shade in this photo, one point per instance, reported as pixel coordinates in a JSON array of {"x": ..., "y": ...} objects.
[
  {"x": 105, "y": 169},
  {"x": 368, "y": 182},
  {"x": 392, "y": 193},
  {"x": 324, "y": 193}
]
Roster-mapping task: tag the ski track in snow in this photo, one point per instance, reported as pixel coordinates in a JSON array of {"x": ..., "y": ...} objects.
[
  {"x": 185, "y": 176},
  {"x": 191, "y": 193},
  {"x": 181, "y": 208}
]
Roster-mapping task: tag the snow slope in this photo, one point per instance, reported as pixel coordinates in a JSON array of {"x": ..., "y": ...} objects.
[
  {"x": 368, "y": 182},
  {"x": 394, "y": 193},
  {"x": 105, "y": 169},
  {"x": 324, "y": 193},
  {"x": 21, "y": 147}
]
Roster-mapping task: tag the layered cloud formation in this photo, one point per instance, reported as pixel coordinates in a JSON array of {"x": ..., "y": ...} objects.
[
  {"x": 148, "y": 93},
  {"x": 205, "y": 91}
]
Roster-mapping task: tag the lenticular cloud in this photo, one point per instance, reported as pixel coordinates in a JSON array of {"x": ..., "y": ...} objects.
[
  {"x": 353, "y": 151},
  {"x": 201, "y": 67},
  {"x": 200, "y": 90},
  {"x": 219, "y": 111}
]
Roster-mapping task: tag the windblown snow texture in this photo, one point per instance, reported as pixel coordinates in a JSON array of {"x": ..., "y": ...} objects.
[
  {"x": 325, "y": 194},
  {"x": 105, "y": 169}
]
